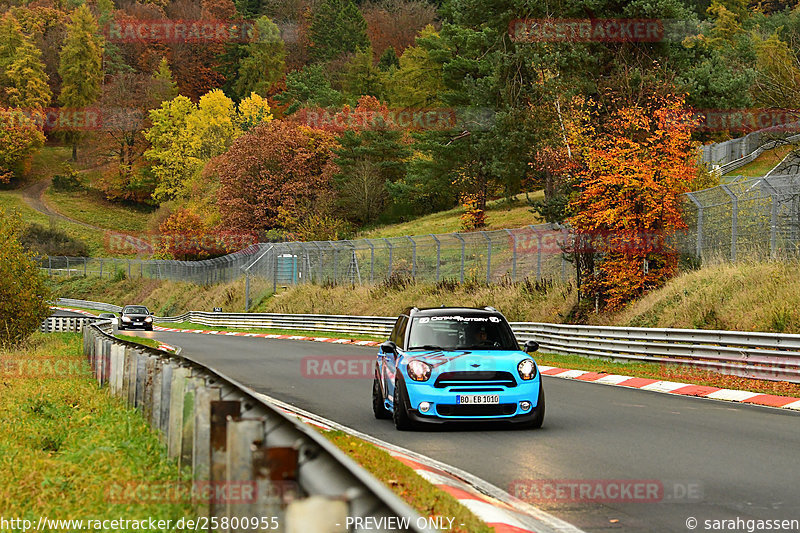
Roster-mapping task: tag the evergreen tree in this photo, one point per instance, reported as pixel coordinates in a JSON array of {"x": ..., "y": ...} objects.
[
  {"x": 80, "y": 66},
  {"x": 337, "y": 28},
  {"x": 164, "y": 85},
  {"x": 263, "y": 62},
  {"x": 388, "y": 60}
]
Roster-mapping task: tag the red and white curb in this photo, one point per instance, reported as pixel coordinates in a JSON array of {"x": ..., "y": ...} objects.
[
  {"x": 269, "y": 336},
  {"x": 672, "y": 387},
  {"x": 496, "y": 507}
]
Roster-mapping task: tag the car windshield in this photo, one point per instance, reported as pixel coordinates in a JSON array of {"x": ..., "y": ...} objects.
[
  {"x": 136, "y": 310},
  {"x": 461, "y": 332}
]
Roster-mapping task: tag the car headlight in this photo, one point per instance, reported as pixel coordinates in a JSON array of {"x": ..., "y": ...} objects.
[
  {"x": 419, "y": 371},
  {"x": 527, "y": 369},
  {"x": 126, "y": 319},
  {"x": 148, "y": 319}
]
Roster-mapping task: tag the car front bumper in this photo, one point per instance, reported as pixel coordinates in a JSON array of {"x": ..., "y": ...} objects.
[{"x": 444, "y": 408}]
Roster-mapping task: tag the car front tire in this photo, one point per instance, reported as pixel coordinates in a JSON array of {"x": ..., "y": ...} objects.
[
  {"x": 402, "y": 421},
  {"x": 378, "y": 407}
]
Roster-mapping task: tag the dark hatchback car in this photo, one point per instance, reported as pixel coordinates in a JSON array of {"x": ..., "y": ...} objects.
[{"x": 136, "y": 317}]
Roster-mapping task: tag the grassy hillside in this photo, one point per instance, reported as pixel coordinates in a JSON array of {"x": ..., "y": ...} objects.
[
  {"x": 500, "y": 214},
  {"x": 745, "y": 296},
  {"x": 12, "y": 201}
]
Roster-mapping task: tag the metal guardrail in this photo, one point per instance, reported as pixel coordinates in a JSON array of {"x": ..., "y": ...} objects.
[
  {"x": 772, "y": 356},
  {"x": 65, "y": 324},
  {"x": 88, "y": 304},
  {"x": 231, "y": 438}
]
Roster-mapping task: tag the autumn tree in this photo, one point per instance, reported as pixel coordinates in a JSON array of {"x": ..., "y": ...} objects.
[
  {"x": 635, "y": 164},
  {"x": 23, "y": 288},
  {"x": 276, "y": 176},
  {"x": 395, "y": 23},
  {"x": 27, "y": 81},
  {"x": 418, "y": 81},
  {"x": 19, "y": 139},
  {"x": 185, "y": 136},
  {"x": 81, "y": 66}
]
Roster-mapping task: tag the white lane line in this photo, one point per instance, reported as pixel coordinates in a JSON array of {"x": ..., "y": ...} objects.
[
  {"x": 795, "y": 405},
  {"x": 489, "y": 513}
]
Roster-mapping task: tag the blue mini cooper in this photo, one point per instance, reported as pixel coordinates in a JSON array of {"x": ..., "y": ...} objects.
[{"x": 449, "y": 364}]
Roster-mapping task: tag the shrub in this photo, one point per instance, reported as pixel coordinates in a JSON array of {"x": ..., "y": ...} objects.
[
  {"x": 52, "y": 241},
  {"x": 68, "y": 180},
  {"x": 23, "y": 293}
]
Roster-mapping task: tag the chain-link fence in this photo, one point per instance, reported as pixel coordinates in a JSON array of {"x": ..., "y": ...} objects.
[
  {"x": 758, "y": 217},
  {"x": 532, "y": 251}
]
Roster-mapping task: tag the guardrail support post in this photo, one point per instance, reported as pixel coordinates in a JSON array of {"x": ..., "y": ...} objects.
[
  {"x": 243, "y": 436},
  {"x": 166, "y": 397},
  {"x": 175, "y": 432},
  {"x": 201, "y": 452},
  {"x": 220, "y": 411},
  {"x": 141, "y": 378}
]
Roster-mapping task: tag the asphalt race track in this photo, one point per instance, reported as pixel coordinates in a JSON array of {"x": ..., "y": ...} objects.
[{"x": 715, "y": 460}]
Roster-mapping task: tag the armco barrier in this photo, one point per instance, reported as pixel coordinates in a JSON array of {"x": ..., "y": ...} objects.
[
  {"x": 772, "y": 356},
  {"x": 65, "y": 324},
  {"x": 358, "y": 325},
  {"x": 229, "y": 437}
]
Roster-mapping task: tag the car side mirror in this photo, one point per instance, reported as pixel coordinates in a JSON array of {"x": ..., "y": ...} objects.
[
  {"x": 389, "y": 347},
  {"x": 531, "y": 346}
]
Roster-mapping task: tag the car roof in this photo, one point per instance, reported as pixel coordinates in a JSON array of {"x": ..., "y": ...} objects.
[{"x": 441, "y": 311}]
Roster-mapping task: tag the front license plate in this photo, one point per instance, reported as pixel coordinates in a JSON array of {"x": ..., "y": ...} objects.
[
  {"x": 477, "y": 399},
  {"x": 138, "y": 324}
]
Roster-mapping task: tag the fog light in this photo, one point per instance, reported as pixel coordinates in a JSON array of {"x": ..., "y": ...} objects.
[
  {"x": 525, "y": 406},
  {"x": 424, "y": 407}
]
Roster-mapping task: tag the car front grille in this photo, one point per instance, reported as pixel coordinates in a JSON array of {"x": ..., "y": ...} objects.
[
  {"x": 478, "y": 378},
  {"x": 477, "y": 410}
]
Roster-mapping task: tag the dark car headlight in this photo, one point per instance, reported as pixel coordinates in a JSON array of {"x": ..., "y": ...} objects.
[
  {"x": 527, "y": 369},
  {"x": 148, "y": 319},
  {"x": 419, "y": 371}
]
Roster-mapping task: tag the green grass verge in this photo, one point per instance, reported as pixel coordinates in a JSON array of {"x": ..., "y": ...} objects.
[
  {"x": 332, "y": 334},
  {"x": 65, "y": 443},
  {"x": 89, "y": 207},
  {"x": 421, "y": 495},
  {"x": 146, "y": 341},
  {"x": 680, "y": 374},
  {"x": 500, "y": 214},
  {"x": 763, "y": 163}
]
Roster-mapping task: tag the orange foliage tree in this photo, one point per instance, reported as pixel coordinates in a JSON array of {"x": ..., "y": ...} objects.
[{"x": 635, "y": 162}]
